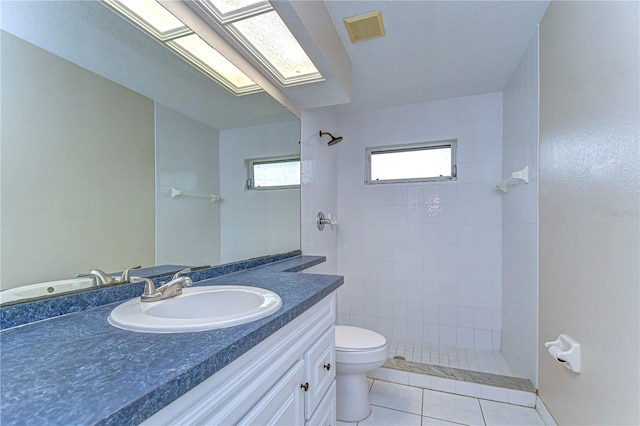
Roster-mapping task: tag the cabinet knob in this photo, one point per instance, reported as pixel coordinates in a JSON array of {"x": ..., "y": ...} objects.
[
  {"x": 327, "y": 366},
  {"x": 305, "y": 386}
]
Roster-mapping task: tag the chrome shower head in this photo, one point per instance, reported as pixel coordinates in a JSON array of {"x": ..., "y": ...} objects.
[{"x": 333, "y": 140}]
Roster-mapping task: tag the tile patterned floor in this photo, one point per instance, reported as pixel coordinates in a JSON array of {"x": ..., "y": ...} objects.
[
  {"x": 399, "y": 405},
  {"x": 451, "y": 356}
]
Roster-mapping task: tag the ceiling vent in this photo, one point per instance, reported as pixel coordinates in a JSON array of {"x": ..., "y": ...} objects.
[{"x": 365, "y": 27}]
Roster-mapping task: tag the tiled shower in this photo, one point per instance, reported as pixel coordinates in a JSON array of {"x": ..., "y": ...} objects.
[{"x": 439, "y": 268}]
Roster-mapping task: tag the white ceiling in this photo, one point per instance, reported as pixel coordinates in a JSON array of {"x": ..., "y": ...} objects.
[
  {"x": 435, "y": 49},
  {"x": 432, "y": 50}
]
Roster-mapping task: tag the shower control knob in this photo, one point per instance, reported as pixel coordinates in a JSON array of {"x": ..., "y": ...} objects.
[
  {"x": 305, "y": 386},
  {"x": 327, "y": 366}
]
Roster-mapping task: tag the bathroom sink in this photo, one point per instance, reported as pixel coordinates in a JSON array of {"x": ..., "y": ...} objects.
[{"x": 197, "y": 309}]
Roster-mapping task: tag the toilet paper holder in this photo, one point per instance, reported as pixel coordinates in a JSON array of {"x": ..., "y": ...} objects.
[{"x": 566, "y": 351}]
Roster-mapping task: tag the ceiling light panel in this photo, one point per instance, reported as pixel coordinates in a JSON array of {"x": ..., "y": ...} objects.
[
  {"x": 269, "y": 39},
  {"x": 150, "y": 16},
  {"x": 211, "y": 62},
  {"x": 227, "y": 11},
  {"x": 260, "y": 31},
  {"x": 155, "y": 20}
]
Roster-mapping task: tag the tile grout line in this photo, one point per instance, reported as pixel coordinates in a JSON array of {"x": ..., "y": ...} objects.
[{"x": 482, "y": 412}]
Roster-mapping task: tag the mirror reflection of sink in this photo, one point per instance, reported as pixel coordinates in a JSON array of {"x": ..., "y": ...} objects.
[
  {"x": 44, "y": 289},
  {"x": 197, "y": 309}
]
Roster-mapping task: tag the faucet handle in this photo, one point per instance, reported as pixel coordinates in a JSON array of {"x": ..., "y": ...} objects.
[
  {"x": 150, "y": 294},
  {"x": 126, "y": 275},
  {"x": 184, "y": 271}
]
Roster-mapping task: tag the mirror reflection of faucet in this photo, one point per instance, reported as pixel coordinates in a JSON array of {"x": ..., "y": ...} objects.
[{"x": 99, "y": 277}]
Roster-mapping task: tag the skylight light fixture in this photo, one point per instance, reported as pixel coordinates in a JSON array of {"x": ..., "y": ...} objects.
[
  {"x": 260, "y": 31},
  {"x": 208, "y": 60},
  {"x": 151, "y": 16},
  {"x": 156, "y": 21}
]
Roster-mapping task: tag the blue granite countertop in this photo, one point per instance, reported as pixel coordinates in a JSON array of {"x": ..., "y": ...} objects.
[{"x": 77, "y": 369}]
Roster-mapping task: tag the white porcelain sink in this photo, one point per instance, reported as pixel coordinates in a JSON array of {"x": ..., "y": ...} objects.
[{"x": 197, "y": 309}]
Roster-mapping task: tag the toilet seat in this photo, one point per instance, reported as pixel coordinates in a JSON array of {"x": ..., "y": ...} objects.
[{"x": 356, "y": 339}]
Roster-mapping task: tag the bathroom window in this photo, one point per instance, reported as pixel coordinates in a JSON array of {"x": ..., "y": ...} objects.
[
  {"x": 273, "y": 173},
  {"x": 421, "y": 162}
]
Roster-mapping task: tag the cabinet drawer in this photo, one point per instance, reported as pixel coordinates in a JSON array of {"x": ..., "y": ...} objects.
[
  {"x": 325, "y": 414},
  {"x": 320, "y": 369}
]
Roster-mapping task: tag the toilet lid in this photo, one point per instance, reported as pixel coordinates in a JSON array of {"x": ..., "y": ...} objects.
[{"x": 358, "y": 339}]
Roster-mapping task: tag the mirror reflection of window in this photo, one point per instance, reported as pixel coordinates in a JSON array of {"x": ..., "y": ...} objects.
[{"x": 274, "y": 174}]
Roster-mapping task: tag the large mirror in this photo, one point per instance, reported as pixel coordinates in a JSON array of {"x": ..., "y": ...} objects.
[{"x": 111, "y": 147}]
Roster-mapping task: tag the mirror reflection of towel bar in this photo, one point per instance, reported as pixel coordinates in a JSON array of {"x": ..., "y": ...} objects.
[
  {"x": 175, "y": 193},
  {"x": 522, "y": 175}
]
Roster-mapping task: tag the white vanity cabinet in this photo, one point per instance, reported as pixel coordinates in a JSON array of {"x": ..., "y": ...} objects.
[{"x": 287, "y": 379}]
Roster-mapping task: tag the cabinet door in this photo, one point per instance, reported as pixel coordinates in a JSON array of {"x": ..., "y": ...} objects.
[
  {"x": 283, "y": 404},
  {"x": 320, "y": 369},
  {"x": 325, "y": 414}
]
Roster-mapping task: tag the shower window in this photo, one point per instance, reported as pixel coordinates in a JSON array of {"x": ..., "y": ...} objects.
[
  {"x": 273, "y": 173},
  {"x": 421, "y": 162}
]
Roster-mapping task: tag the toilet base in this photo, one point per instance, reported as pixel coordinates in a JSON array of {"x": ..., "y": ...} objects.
[{"x": 352, "y": 391}]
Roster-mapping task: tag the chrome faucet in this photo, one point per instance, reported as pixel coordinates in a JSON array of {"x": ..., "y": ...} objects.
[
  {"x": 100, "y": 277},
  {"x": 171, "y": 289},
  {"x": 126, "y": 275}
]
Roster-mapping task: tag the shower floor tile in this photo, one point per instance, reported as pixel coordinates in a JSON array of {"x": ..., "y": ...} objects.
[{"x": 451, "y": 356}]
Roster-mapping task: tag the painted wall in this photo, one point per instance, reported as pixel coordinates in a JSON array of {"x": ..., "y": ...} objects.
[
  {"x": 77, "y": 170},
  {"x": 255, "y": 223},
  {"x": 589, "y": 209},
  {"x": 520, "y": 218},
  {"x": 187, "y": 158},
  {"x": 421, "y": 261}
]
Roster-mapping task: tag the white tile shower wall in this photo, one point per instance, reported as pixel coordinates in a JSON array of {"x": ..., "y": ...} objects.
[
  {"x": 319, "y": 187},
  {"x": 187, "y": 159},
  {"x": 519, "y": 218},
  {"x": 422, "y": 261},
  {"x": 256, "y": 223}
]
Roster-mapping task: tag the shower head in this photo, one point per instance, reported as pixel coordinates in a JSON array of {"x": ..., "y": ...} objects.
[{"x": 333, "y": 140}]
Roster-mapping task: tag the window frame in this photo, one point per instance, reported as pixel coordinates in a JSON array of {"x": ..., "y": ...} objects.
[
  {"x": 249, "y": 165},
  {"x": 420, "y": 146}
]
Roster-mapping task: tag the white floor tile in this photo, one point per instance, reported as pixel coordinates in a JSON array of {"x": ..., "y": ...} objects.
[
  {"x": 397, "y": 397},
  {"x": 497, "y": 414},
  {"x": 381, "y": 416},
  {"x": 495, "y": 393},
  {"x": 430, "y": 421},
  {"x": 453, "y": 408},
  {"x": 339, "y": 423}
]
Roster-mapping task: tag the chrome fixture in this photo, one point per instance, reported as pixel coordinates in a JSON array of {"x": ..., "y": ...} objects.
[
  {"x": 171, "y": 289},
  {"x": 126, "y": 275},
  {"x": 322, "y": 220},
  {"x": 334, "y": 140},
  {"x": 99, "y": 277}
]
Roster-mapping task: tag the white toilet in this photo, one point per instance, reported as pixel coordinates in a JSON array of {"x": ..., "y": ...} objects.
[{"x": 358, "y": 351}]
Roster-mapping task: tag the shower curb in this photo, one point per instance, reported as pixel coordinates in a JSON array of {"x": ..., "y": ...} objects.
[{"x": 494, "y": 387}]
